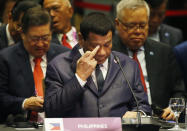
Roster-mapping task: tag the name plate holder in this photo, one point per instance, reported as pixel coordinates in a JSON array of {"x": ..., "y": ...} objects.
[{"x": 83, "y": 124}]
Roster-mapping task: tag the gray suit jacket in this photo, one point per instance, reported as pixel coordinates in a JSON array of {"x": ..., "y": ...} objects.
[
  {"x": 163, "y": 72},
  {"x": 64, "y": 96}
]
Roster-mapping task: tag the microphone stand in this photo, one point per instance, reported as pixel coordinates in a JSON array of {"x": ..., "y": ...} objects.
[{"x": 128, "y": 83}]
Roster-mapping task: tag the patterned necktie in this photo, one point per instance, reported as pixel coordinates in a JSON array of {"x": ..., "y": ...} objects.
[
  {"x": 99, "y": 78},
  {"x": 38, "y": 77},
  {"x": 141, "y": 73},
  {"x": 64, "y": 41}
]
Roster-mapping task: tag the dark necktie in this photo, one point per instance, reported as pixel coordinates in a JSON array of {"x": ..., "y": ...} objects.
[
  {"x": 141, "y": 73},
  {"x": 64, "y": 41},
  {"x": 99, "y": 78}
]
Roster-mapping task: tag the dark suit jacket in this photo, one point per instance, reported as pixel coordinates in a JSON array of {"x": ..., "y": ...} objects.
[
  {"x": 55, "y": 39},
  {"x": 170, "y": 35},
  {"x": 64, "y": 96},
  {"x": 3, "y": 37},
  {"x": 181, "y": 55},
  {"x": 16, "y": 77},
  {"x": 163, "y": 72}
]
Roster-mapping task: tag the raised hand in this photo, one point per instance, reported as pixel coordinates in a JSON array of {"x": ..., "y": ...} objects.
[{"x": 86, "y": 64}]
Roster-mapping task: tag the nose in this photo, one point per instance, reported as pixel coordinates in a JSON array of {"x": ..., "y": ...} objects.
[
  {"x": 40, "y": 43},
  {"x": 101, "y": 51},
  {"x": 138, "y": 30}
]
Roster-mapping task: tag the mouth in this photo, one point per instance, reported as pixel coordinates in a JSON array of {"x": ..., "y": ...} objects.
[{"x": 54, "y": 23}]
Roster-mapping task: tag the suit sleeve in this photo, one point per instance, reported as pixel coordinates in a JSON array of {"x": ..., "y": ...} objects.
[
  {"x": 60, "y": 97},
  {"x": 9, "y": 103},
  {"x": 178, "y": 82}
]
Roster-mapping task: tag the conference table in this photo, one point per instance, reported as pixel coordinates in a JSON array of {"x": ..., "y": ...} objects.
[{"x": 5, "y": 128}]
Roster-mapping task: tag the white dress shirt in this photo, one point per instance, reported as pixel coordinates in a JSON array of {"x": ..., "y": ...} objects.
[
  {"x": 71, "y": 37},
  {"x": 9, "y": 37},
  {"x": 103, "y": 67},
  {"x": 141, "y": 59},
  {"x": 155, "y": 36},
  {"x": 43, "y": 65}
]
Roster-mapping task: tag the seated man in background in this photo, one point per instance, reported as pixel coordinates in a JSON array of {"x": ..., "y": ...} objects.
[
  {"x": 90, "y": 82},
  {"x": 23, "y": 66},
  {"x": 10, "y": 33},
  {"x": 61, "y": 13},
  {"x": 159, "y": 31},
  {"x": 157, "y": 64}
]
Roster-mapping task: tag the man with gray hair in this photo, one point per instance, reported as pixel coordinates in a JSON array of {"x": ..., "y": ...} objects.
[
  {"x": 61, "y": 12},
  {"x": 158, "y": 68}
]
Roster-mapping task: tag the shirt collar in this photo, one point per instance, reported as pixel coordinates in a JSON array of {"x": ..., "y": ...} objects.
[
  {"x": 44, "y": 58},
  {"x": 9, "y": 37},
  {"x": 71, "y": 35}
]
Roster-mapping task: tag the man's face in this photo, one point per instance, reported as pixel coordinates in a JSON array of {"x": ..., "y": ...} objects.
[
  {"x": 61, "y": 14},
  {"x": 105, "y": 43},
  {"x": 133, "y": 27},
  {"x": 37, "y": 40},
  {"x": 157, "y": 15},
  {"x": 15, "y": 28}
]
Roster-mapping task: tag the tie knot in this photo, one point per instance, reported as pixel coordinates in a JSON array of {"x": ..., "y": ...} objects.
[
  {"x": 37, "y": 60},
  {"x": 64, "y": 37},
  {"x": 135, "y": 54}
]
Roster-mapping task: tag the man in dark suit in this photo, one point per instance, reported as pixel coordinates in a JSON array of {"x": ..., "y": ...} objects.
[
  {"x": 18, "y": 92},
  {"x": 10, "y": 33},
  {"x": 181, "y": 55},
  {"x": 156, "y": 60},
  {"x": 159, "y": 31},
  {"x": 80, "y": 89}
]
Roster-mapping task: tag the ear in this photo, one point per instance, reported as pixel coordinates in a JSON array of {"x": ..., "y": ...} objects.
[
  {"x": 81, "y": 39},
  {"x": 22, "y": 35},
  {"x": 70, "y": 11},
  {"x": 117, "y": 23}
]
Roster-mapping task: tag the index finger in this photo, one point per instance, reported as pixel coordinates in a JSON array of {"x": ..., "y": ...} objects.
[{"x": 94, "y": 51}]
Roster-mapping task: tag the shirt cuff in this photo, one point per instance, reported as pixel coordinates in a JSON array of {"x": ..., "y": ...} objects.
[
  {"x": 23, "y": 104},
  {"x": 81, "y": 82}
]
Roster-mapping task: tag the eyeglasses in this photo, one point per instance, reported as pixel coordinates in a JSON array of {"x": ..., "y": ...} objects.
[
  {"x": 36, "y": 39},
  {"x": 134, "y": 26}
]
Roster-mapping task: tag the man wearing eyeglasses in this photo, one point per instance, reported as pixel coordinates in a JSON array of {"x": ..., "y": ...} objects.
[
  {"x": 158, "y": 69},
  {"x": 24, "y": 64},
  {"x": 10, "y": 33}
]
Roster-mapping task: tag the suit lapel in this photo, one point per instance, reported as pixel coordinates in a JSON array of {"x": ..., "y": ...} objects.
[
  {"x": 164, "y": 35},
  {"x": 25, "y": 68},
  {"x": 55, "y": 39},
  {"x": 111, "y": 74},
  {"x": 151, "y": 62},
  {"x": 75, "y": 55}
]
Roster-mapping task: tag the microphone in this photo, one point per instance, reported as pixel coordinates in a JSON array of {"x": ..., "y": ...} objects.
[{"x": 128, "y": 83}]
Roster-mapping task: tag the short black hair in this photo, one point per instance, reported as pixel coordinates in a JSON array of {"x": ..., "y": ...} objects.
[
  {"x": 35, "y": 16},
  {"x": 96, "y": 22},
  {"x": 22, "y": 6},
  {"x": 155, "y": 3}
]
